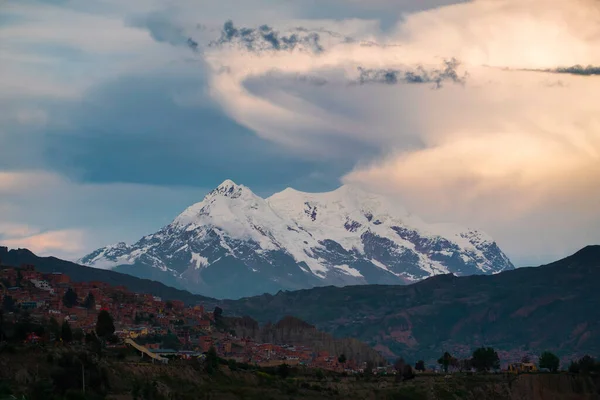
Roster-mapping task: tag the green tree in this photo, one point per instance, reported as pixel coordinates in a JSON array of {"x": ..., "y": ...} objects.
[
  {"x": 408, "y": 372},
  {"x": 445, "y": 361},
  {"x": 70, "y": 298},
  {"x": 420, "y": 365},
  {"x": 574, "y": 367},
  {"x": 65, "y": 332},
  {"x": 8, "y": 303},
  {"x": 369, "y": 368},
  {"x": 465, "y": 365},
  {"x": 104, "y": 325},
  {"x": 485, "y": 359},
  {"x": 171, "y": 341},
  {"x": 54, "y": 328},
  {"x": 319, "y": 374},
  {"x": 550, "y": 361},
  {"x": 212, "y": 360},
  {"x": 399, "y": 366},
  {"x": 78, "y": 335},
  {"x": 342, "y": 359},
  {"x": 90, "y": 301},
  {"x": 283, "y": 370},
  {"x": 587, "y": 364}
]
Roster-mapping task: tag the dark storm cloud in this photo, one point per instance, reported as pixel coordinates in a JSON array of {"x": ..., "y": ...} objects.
[
  {"x": 578, "y": 70},
  {"x": 267, "y": 38},
  {"x": 163, "y": 130},
  {"x": 419, "y": 75}
]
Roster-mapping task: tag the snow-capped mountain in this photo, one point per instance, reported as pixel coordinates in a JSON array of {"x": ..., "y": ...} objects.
[{"x": 235, "y": 243}]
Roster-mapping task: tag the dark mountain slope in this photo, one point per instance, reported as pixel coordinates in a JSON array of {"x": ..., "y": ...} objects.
[
  {"x": 80, "y": 273},
  {"x": 553, "y": 307}
]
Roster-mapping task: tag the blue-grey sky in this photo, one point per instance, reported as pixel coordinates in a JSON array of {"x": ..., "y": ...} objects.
[{"x": 117, "y": 115}]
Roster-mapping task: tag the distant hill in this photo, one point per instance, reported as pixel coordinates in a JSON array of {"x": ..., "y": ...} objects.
[
  {"x": 553, "y": 307},
  {"x": 528, "y": 310},
  {"x": 80, "y": 273}
]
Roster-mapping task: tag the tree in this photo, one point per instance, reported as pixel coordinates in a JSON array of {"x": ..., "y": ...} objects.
[
  {"x": 465, "y": 365},
  {"x": 445, "y": 361},
  {"x": 90, "y": 301},
  {"x": 550, "y": 361},
  {"x": 283, "y": 370},
  {"x": 70, "y": 298},
  {"x": 526, "y": 359},
  {"x": 369, "y": 368},
  {"x": 54, "y": 329},
  {"x": 574, "y": 367},
  {"x": 8, "y": 303},
  {"x": 65, "y": 332},
  {"x": 587, "y": 364},
  {"x": 171, "y": 341},
  {"x": 319, "y": 374},
  {"x": 104, "y": 324},
  {"x": 408, "y": 372},
  {"x": 342, "y": 359},
  {"x": 78, "y": 335},
  {"x": 212, "y": 360},
  {"x": 485, "y": 359},
  {"x": 399, "y": 366},
  {"x": 420, "y": 365}
]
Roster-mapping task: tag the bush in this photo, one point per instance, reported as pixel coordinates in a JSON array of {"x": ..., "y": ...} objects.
[
  {"x": 549, "y": 361},
  {"x": 319, "y": 374},
  {"x": 75, "y": 395},
  {"x": 283, "y": 370},
  {"x": 5, "y": 389}
]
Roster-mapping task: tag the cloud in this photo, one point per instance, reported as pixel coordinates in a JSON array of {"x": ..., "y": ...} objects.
[
  {"x": 67, "y": 243},
  {"x": 79, "y": 211},
  {"x": 503, "y": 147},
  {"x": 419, "y": 75},
  {"x": 579, "y": 70}
]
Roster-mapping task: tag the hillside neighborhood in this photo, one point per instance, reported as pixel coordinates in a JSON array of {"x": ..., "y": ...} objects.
[{"x": 164, "y": 327}]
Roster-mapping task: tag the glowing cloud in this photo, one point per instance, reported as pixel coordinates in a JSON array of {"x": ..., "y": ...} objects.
[{"x": 520, "y": 135}]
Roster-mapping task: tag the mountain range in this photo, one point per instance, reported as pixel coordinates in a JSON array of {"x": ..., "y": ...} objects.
[
  {"x": 553, "y": 307},
  {"x": 234, "y": 244},
  {"x": 526, "y": 311}
]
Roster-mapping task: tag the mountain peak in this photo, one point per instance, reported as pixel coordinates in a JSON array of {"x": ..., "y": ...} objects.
[
  {"x": 235, "y": 243},
  {"x": 229, "y": 189},
  {"x": 227, "y": 183}
]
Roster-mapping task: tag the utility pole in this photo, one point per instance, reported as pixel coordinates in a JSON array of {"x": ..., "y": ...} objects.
[{"x": 83, "y": 377}]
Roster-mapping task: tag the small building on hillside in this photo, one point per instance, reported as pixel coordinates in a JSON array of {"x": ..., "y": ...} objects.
[{"x": 522, "y": 368}]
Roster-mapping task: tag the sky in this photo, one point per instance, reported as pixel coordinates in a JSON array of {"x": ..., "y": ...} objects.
[{"x": 118, "y": 115}]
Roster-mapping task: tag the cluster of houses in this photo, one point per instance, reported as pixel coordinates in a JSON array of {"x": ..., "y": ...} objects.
[{"x": 167, "y": 328}]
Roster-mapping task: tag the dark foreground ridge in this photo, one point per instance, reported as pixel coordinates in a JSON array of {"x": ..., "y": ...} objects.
[{"x": 55, "y": 373}]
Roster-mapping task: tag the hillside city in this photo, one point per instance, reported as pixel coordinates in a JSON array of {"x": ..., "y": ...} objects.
[{"x": 164, "y": 327}]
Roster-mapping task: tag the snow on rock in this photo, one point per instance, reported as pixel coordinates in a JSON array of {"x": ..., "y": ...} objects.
[{"x": 294, "y": 240}]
